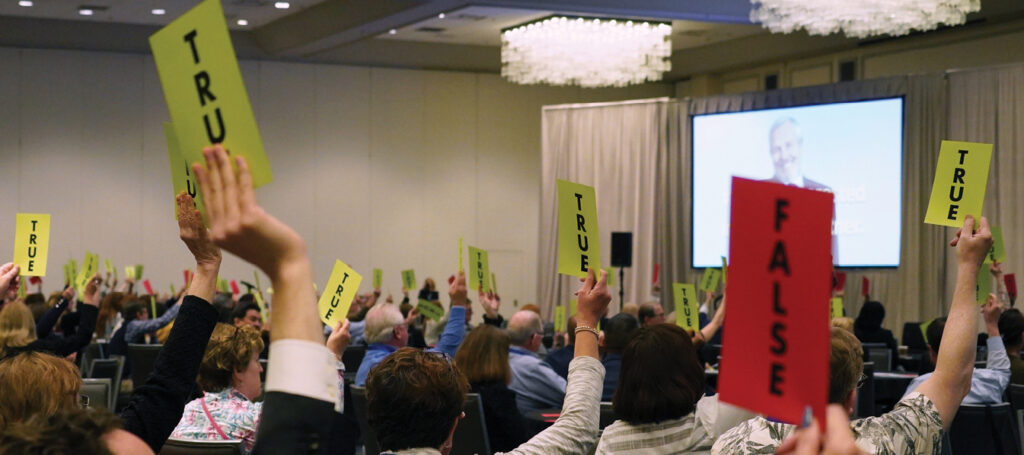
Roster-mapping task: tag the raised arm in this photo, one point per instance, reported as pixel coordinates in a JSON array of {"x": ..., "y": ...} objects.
[
  {"x": 954, "y": 366},
  {"x": 46, "y": 323},
  {"x": 716, "y": 322},
  {"x": 455, "y": 329}
]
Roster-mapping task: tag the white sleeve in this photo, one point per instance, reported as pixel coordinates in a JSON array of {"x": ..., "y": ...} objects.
[{"x": 305, "y": 368}]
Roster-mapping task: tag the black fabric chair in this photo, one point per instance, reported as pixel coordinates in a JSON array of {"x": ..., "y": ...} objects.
[
  {"x": 92, "y": 351},
  {"x": 111, "y": 369},
  {"x": 866, "y": 394},
  {"x": 98, "y": 391},
  {"x": 142, "y": 358},
  {"x": 470, "y": 436},
  {"x": 988, "y": 429},
  {"x": 370, "y": 446},
  {"x": 879, "y": 354},
  {"x": 352, "y": 358},
  {"x": 607, "y": 415},
  {"x": 188, "y": 447},
  {"x": 912, "y": 336}
]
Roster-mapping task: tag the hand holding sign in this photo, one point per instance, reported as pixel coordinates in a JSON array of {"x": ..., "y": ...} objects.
[
  {"x": 592, "y": 299},
  {"x": 971, "y": 247},
  {"x": 457, "y": 289},
  {"x": 339, "y": 339},
  {"x": 8, "y": 276},
  {"x": 91, "y": 295},
  {"x": 838, "y": 438},
  {"x": 686, "y": 307},
  {"x": 31, "y": 243}
]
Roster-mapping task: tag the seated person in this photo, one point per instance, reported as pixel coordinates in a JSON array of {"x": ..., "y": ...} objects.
[
  {"x": 675, "y": 419},
  {"x": 536, "y": 385},
  {"x": 617, "y": 333},
  {"x": 1011, "y": 327},
  {"x": 868, "y": 328},
  {"x": 987, "y": 384},
  {"x": 247, "y": 313},
  {"x": 651, "y": 313},
  {"x": 483, "y": 360},
  {"x": 917, "y": 422},
  {"x": 138, "y": 323},
  {"x": 631, "y": 309},
  {"x": 560, "y": 358},
  {"x": 18, "y": 329}
]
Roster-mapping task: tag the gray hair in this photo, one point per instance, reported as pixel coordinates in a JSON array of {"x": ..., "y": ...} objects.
[
  {"x": 381, "y": 321},
  {"x": 522, "y": 325}
]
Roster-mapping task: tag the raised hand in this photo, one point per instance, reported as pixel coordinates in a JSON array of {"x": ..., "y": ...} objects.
[
  {"x": 838, "y": 439},
  {"x": 91, "y": 294},
  {"x": 457, "y": 289},
  {"x": 491, "y": 303},
  {"x": 68, "y": 294},
  {"x": 971, "y": 247},
  {"x": 592, "y": 298},
  {"x": 8, "y": 277},
  {"x": 339, "y": 339},
  {"x": 194, "y": 233}
]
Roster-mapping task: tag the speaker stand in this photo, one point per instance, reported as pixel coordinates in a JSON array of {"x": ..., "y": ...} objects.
[{"x": 622, "y": 287}]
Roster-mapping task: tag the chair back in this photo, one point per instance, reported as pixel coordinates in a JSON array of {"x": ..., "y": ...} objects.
[
  {"x": 866, "y": 394},
  {"x": 912, "y": 336},
  {"x": 92, "y": 351},
  {"x": 607, "y": 415},
  {"x": 113, "y": 369},
  {"x": 188, "y": 447},
  {"x": 470, "y": 436},
  {"x": 988, "y": 429},
  {"x": 142, "y": 358},
  {"x": 370, "y": 446},
  {"x": 353, "y": 357},
  {"x": 880, "y": 355},
  {"x": 98, "y": 391}
]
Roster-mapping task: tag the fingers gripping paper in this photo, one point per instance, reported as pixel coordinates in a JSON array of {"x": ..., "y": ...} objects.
[
  {"x": 338, "y": 294},
  {"x": 31, "y": 243},
  {"x": 998, "y": 251},
  {"x": 579, "y": 244},
  {"x": 181, "y": 173},
  {"x": 204, "y": 90},
  {"x": 961, "y": 176},
  {"x": 780, "y": 269}
]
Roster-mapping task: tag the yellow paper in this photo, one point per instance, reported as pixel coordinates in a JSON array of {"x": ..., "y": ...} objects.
[
  {"x": 263, "y": 306},
  {"x": 494, "y": 283},
  {"x": 997, "y": 252},
  {"x": 378, "y": 278},
  {"x": 960, "y": 179},
  {"x": 129, "y": 272},
  {"x": 579, "y": 244},
  {"x": 108, "y": 266},
  {"x": 409, "y": 280},
  {"x": 572, "y": 307},
  {"x": 479, "y": 269},
  {"x": 173, "y": 292},
  {"x": 611, "y": 276},
  {"x": 984, "y": 285},
  {"x": 22, "y": 288},
  {"x": 138, "y": 272},
  {"x": 181, "y": 172},
  {"x": 90, "y": 265},
  {"x": 204, "y": 90},
  {"x": 256, "y": 279},
  {"x": 338, "y": 293},
  {"x": 725, "y": 271},
  {"x": 560, "y": 324},
  {"x": 835, "y": 308},
  {"x": 152, "y": 306},
  {"x": 430, "y": 309},
  {"x": 460, "y": 254},
  {"x": 67, "y": 274},
  {"x": 31, "y": 243},
  {"x": 709, "y": 282},
  {"x": 687, "y": 309}
]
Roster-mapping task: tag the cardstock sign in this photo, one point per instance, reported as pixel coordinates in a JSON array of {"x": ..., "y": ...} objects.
[
  {"x": 378, "y": 278},
  {"x": 924, "y": 329},
  {"x": 149, "y": 287},
  {"x": 341, "y": 288},
  {"x": 479, "y": 270},
  {"x": 31, "y": 243},
  {"x": 725, "y": 271},
  {"x": 835, "y": 308},
  {"x": 709, "y": 281},
  {"x": 181, "y": 172},
  {"x": 579, "y": 245},
  {"x": 983, "y": 286},
  {"x": 409, "y": 280},
  {"x": 960, "y": 179},
  {"x": 840, "y": 281},
  {"x": 90, "y": 265},
  {"x": 494, "y": 283},
  {"x": 430, "y": 309},
  {"x": 997, "y": 253},
  {"x": 687, "y": 309},
  {"x": 611, "y": 276},
  {"x": 572, "y": 307},
  {"x": 152, "y": 305},
  {"x": 865, "y": 286},
  {"x": 460, "y": 254},
  {"x": 780, "y": 249},
  {"x": 560, "y": 324},
  {"x": 1011, "y": 285},
  {"x": 108, "y": 266},
  {"x": 263, "y": 306},
  {"x": 204, "y": 90}
]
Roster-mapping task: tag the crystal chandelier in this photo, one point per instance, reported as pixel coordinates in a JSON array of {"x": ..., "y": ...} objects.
[
  {"x": 860, "y": 18},
  {"x": 588, "y": 52}
]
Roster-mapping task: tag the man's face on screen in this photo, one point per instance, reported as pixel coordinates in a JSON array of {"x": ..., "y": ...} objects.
[{"x": 786, "y": 148}]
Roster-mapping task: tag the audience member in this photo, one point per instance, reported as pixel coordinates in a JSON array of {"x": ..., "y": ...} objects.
[
  {"x": 247, "y": 314},
  {"x": 631, "y": 309},
  {"x": 46, "y": 324},
  {"x": 18, "y": 329},
  {"x": 492, "y": 303},
  {"x": 535, "y": 383},
  {"x": 617, "y": 333},
  {"x": 868, "y": 328},
  {"x": 1011, "y": 327},
  {"x": 110, "y": 318},
  {"x": 651, "y": 313},
  {"x": 843, "y": 322},
  {"x": 560, "y": 358}
]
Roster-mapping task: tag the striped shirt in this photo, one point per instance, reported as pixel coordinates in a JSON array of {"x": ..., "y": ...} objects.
[{"x": 692, "y": 433}]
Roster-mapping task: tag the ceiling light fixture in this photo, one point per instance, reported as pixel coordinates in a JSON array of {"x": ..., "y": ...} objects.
[
  {"x": 860, "y": 18},
  {"x": 85, "y": 11},
  {"x": 282, "y": 5},
  {"x": 440, "y": 16},
  {"x": 392, "y": 32},
  {"x": 159, "y": 12},
  {"x": 242, "y": 22},
  {"x": 25, "y": 3},
  {"x": 588, "y": 52}
]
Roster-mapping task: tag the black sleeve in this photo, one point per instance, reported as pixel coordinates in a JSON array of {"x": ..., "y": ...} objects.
[
  {"x": 63, "y": 347},
  {"x": 294, "y": 424},
  {"x": 156, "y": 407},
  {"x": 46, "y": 323},
  {"x": 497, "y": 322}
]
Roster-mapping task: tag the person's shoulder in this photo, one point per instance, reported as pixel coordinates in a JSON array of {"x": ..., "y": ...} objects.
[
  {"x": 913, "y": 417},
  {"x": 815, "y": 185},
  {"x": 756, "y": 435}
]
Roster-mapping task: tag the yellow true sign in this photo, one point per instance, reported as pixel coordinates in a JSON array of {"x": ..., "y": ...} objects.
[
  {"x": 31, "y": 243},
  {"x": 560, "y": 318},
  {"x": 90, "y": 265},
  {"x": 960, "y": 179},
  {"x": 378, "y": 278},
  {"x": 479, "y": 269},
  {"x": 835, "y": 308},
  {"x": 204, "y": 89},
  {"x": 997, "y": 252},
  {"x": 181, "y": 173},
  {"x": 579, "y": 242},
  {"x": 687, "y": 309},
  {"x": 409, "y": 280},
  {"x": 338, "y": 293},
  {"x": 709, "y": 282}
]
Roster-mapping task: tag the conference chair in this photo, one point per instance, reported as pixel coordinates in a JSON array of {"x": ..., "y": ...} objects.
[
  {"x": 912, "y": 337},
  {"x": 92, "y": 351},
  {"x": 607, "y": 415},
  {"x": 352, "y": 358},
  {"x": 866, "y": 394},
  {"x": 188, "y": 447},
  {"x": 370, "y": 446},
  {"x": 988, "y": 429},
  {"x": 142, "y": 358},
  {"x": 470, "y": 436},
  {"x": 98, "y": 391},
  {"x": 1015, "y": 396},
  {"x": 880, "y": 355},
  {"x": 111, "y": 369}
]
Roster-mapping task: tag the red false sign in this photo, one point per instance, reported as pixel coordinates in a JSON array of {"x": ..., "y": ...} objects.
[
  {"x": 149, "y": 287},
  {"x": 35, "y": 280},
  {"x": 657, "y": 267},
  {"x": 780, "y": 250},
  {"x": 186, "y": 277},
  {"x": 840, "y": 281},
  {"x": 1011, "y": 285},
  {"x": 865, "y": 286},
  {"x": 234, "y": 288}
]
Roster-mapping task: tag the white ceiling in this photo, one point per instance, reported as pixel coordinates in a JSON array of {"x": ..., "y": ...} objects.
[{"x": 257, "y": 12}]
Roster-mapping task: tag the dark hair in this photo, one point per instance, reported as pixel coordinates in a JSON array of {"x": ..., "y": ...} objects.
[
  {"x": 77, "y": 431},
  {"x": 132, "y": 308},
  {"x": 618, "y": 331},
  {"x": 1011, "y": 327},
  {"x": 483, "y": 355},
  {"x": 870, "y": 317},
  {"x": 242, "y": 309},
  {"x": 934, "y": 332},
  {"x": 246, "y": 299},
  {"x": 413, "y": 399},
  {"x": 645, "y": 311},
  {"x": 661, "y": 378},
  {"x": 570, "y": 328}
]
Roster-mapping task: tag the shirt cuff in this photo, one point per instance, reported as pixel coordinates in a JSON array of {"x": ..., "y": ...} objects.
[{"x": 305, "y": 368}]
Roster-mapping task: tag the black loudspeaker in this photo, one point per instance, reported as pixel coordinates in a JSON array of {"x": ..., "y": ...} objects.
[{"x": 622, "y": 249}]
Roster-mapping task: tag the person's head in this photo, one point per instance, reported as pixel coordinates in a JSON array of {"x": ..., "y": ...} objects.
[
  {"x": 26, "y": 395},
  {"x": 385, "y": 324},
  {"x": 17, "y": 327},
  {"x": 483, "y": 355},
  {"x": 934, "y": 336},
  {"x": 232, "y": 359},
  {"x": 846, "y": 364},
  {"x": 531, "y": 307},
  {"x": 78, "y": 431},
  {"x": 223, "y": 300},
  {"x": 844, "y": 323},
  {"x": 651, "y": 313},
  {"x": 618, "y": 331},
  {"x": 526, "y": 330},
  {"x": 786, "y": 146},
  {"x": 870, "y": 317},
  {"x": 135, "y": 309},
  {"x": 405, "y": 308},
  {"x": 1011, "y": 327},
  {"x": 661, "y": 378},
  {"x": 414, "y": 400},
  {"x": 247, "y": 314},
  {"x": 631, "y": 309},
  {"x": 110, "y": 306},
  {"x": 429, "y": 285}
]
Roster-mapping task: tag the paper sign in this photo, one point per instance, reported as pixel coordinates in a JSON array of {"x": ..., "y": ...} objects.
[
  {"x": 204, "y": 90},
  {"x": 725, "y": 271},
  {"x": 222, "y": 285},
  {"x": 138, "y": 272},
  {"x": 149, "y": 287},
  {"x": 657, "y": 269},
  {"x": 35, "y": 280},
  {"x": 108, "y": 267},
  {"x": 409, "y": 280},
  {"x": 430, "y": 309},
  {"x": 22, "y": 289},
  {"x": 338, "y": 293},
  {"x": 90, "y": 265},
  {"x": 129, "y": 272},
  {"x": 836, "y": 308},
  {"x": 865, "y": 286},
  {"x": 997, "y": 252},
  {"x": 840, "y": 281},
  {"x": 687, "y": 306},
  {"x": 924, "y": 330},
  {"x": 572, "y": 307},
  {"x": 984, "y": 285},
  {"x": 494, "y": 283},
  {"x": 560, "y": 324},
  {"x": 68, "y": 278},
  {"x": 1011, "y": 285},
  {"x": 256, "y": 279},
  {"x": 378, "y": 278},
  {"x": 263, "y": 306},
  {"x": 234, "y": 288},
  {"x": 479, "y": 270},
  {"x": 182, "y": 178},
  {"x": 173, "y": 291},
  {"x": 31, "y": 243},
  {"x": 781, "y": 252},
  {"x": 186, "y": 274},
  {"x": 460, "y": 254},
  {"x": 152, "y": 305},
  {"x": 611, "y": 276},
  {"x": 579, "y": 244},
  {"x": 709, "y": 281},
  {"x": 960, "y": 179}
]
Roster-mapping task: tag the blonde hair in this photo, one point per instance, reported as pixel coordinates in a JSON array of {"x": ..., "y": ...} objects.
[
  {"x": 631, "y": 308},
  {"x": 34, "y": 383},
  {"x": 846, "y": 364},
  {"x": 17, "y": 327},
  {"x": 843, "y": 323},
  {"x": 230, "y": 349}
]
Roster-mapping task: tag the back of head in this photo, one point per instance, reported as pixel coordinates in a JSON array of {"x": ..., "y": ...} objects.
[
  {"x": 531, "y": 307},
  {"x": 645, "y": 311},
  {"x": 230, "y": 349},
  {"x": 413, "y": 399},
  {"x": 631, "y": 309},
  {"x": 25, "y": 394},
  {"x": 846, "y": 363},
  {"x": 523, "y": 325},
  {"x": 77, "y": 431},
  {"x": 1011, "y": 327},
  {"x": 934, "y": 333},
  {"x": 661, "y": 378},
  {"x": 132, "y": 308},
  {"x": 242, "y": 309},
  {"x": 483, "y": 355},
  {"x": 870, "y": 317},
  {"x": 17, "y": 326},
  {"x": 844, "y": 323},
  {"x": 381, "y": 321},
  {"x": 618, "y": 331}
]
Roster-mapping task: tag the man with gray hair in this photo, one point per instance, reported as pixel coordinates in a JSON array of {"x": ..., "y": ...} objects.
[{"x": 536, "y": 384}]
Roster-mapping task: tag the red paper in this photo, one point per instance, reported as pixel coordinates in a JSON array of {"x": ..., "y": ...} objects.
[
  {"x": 149, "y": 287},
  {"x": 234, "y": 288},
  {"x": 1011, "y": 284},
  {"x": 840, "y": 281},
  {"x": 657, "y": 268},
  {"x": 865, "y": 286},
  {"x": 780, "y": 263},
  {"x": 187, "y": 276},
  {"x": 35, "y": 280}
]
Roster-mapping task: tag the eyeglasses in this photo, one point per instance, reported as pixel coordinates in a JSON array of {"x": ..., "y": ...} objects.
[{"x": 861, "y": 380}]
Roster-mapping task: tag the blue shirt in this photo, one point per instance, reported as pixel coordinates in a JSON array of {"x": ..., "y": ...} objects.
[
  {"x": 987, "y": 384},
  {"x": 536, "y": 385},
  {"x": 355, "y": 329},
  {"x": 451, "y": 338},
  {"x": 612, "y": 365},
  {"x": 559, "y": 360},
  {"x": 136, "y": 329}
]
